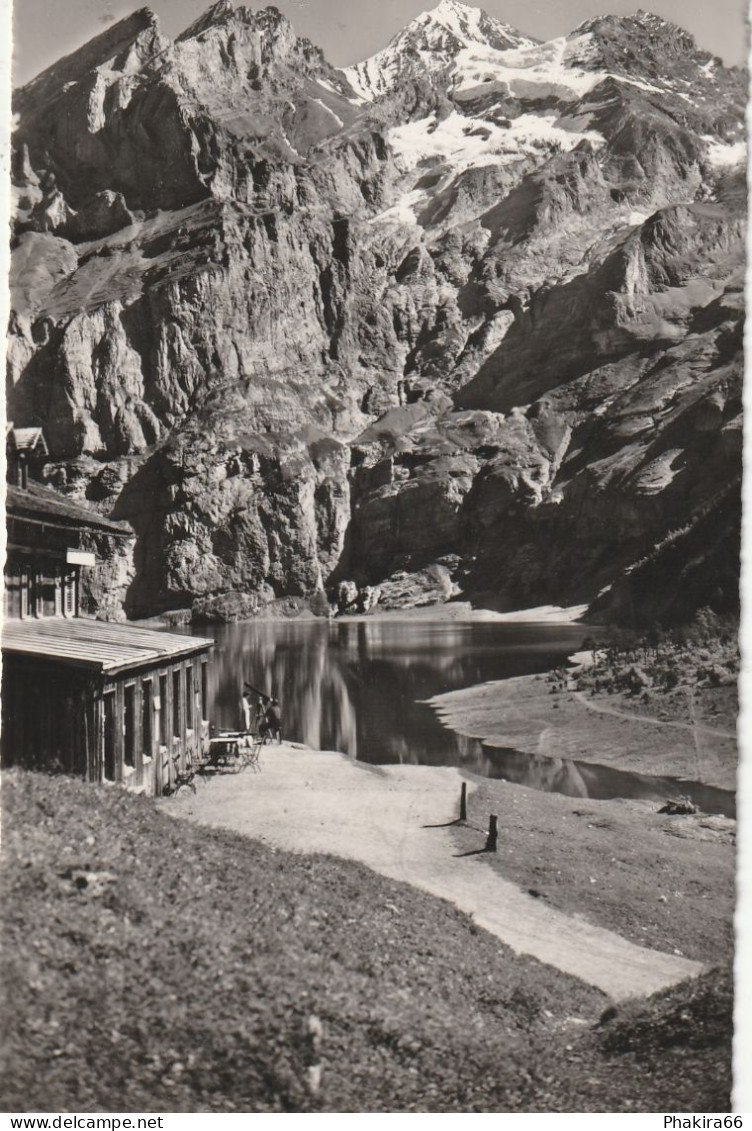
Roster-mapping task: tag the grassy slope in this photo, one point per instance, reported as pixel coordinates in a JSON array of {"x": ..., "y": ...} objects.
[
  {"x": 667, "y": 1054},
  {"x": 662, "y": 882},
  {"x": 186, "y": 977}
]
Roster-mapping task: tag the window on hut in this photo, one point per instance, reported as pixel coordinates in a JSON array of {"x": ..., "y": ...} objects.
[
  {"x": 35, "y": 593},
  {"x": 129, "y": 726},
  {"x": 47, "y": 605},
  {"x": 163, "y": 710},
  {"x": 146, "y": 717},
  {"x": 27, "y": 603},
  {"x": 69, "y": 594},
  {"x": 189, "y": 697},
  {"x": 204, "y": 690},
  {"x": 109, "y": 736},
  {"x": 176, "y": 703},
  {"x": 13, "y": 593}
]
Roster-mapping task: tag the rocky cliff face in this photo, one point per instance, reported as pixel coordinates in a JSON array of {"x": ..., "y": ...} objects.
[{"x": 464, "y": 316}]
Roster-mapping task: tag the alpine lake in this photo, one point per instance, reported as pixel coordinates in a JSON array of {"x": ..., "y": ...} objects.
[{"x": 360, "y": 687}]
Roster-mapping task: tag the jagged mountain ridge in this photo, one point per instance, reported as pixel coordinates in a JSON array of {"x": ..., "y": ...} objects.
[
  {"x": 301, "y": 325},
  {"x": 472, "y": 50}
]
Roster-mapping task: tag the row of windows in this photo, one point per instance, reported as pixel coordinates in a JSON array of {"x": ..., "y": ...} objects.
[
  {"x": 50, "y": 591},
  {"x": 145, "y": 711}
]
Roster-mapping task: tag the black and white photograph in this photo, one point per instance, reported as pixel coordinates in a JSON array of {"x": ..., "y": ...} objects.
[{"x": 373, "y": 543}]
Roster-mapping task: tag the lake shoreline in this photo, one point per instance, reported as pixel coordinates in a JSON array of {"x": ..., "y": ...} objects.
[
  {"x": 528, "y": 714},
  {"x": 665, "y": 881},
  {"x": 462, "y": 611}
]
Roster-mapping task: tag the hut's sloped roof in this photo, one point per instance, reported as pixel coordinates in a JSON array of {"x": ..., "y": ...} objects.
[
  {"x": 28, "y": 439},
  {"x": 43, "y": 504},
  {"x": 101, "y": 646}
]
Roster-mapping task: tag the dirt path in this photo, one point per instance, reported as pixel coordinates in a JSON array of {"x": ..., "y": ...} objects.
[
  {"x": 395, "y": 820},
  {"x": 634, "y": 717}
]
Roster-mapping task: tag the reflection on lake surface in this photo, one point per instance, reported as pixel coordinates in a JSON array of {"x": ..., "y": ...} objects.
[
  {"x": 358, "y": 686},
  {"x": 584, "y": 779}
]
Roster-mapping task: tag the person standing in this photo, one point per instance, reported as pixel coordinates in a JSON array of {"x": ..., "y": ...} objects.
[
  {"x": 245, "y": 706},
  {"x": 257, "y": 712},
  {"x": 258, "y": 722},
  {"x": 273, "y": 721}
]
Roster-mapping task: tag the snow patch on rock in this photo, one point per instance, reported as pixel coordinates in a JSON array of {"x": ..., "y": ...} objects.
[
  {"x": 329, "y": 110},
  {"x": 463, "y": 142},
  {"x": 721, "y": 153}
]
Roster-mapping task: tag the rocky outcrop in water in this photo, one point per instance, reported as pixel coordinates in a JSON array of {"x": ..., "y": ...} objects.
[{"x": 464, "y": 317}]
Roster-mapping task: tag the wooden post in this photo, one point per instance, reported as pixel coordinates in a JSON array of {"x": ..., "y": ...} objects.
[
  {"x": 463, "y": 802},
  {"x": 492, "y": 834}
]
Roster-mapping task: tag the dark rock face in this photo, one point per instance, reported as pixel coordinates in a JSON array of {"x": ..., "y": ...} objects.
[
  {"x": 223, "y": 509},
  {"x": 104, "y": 589},
  {"x": 464, "y": 317}
]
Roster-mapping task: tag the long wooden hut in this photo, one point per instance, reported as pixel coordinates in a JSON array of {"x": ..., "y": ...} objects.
[{"x": 109, "y": 702}]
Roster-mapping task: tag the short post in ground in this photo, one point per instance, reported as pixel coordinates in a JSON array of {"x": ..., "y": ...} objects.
[
  {"x": 463, "y": 801},
  {"x": 492, "y": 837}
]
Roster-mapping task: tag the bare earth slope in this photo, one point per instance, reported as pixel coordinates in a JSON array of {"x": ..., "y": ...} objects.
[{"x": 472, "y": 307}]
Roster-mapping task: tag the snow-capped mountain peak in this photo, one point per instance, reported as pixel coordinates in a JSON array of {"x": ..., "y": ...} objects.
[
  {"x": 475, "y": 56},
  {"x": 470, "y": 25},
  {"x": 458, "y": 17},
  {"x": 435, "y": 41}
]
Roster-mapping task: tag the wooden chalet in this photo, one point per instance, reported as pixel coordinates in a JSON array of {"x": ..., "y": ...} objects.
[
  {"x": 109, "y": 702},
  {"x": 25, "y": 451}
]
